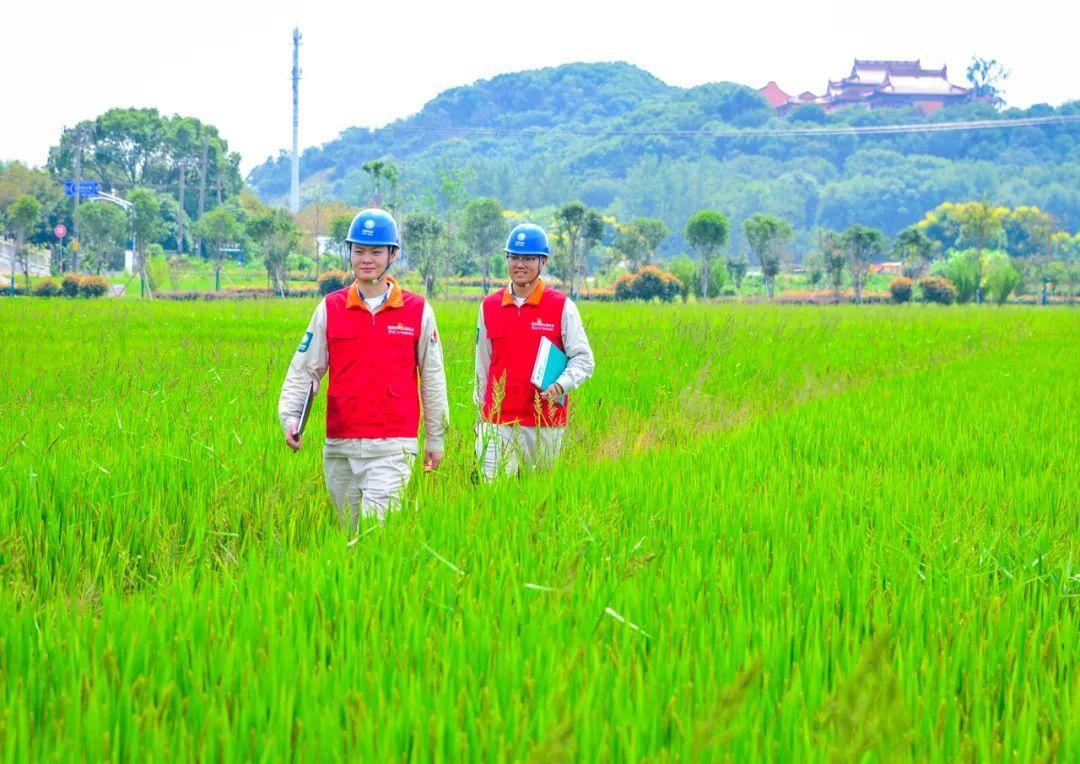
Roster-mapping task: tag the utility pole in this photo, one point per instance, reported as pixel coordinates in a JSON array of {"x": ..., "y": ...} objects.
[
  {"x": 180, "y": 217},
  {"x": 318, "y": 204},
  {"x": 75, "y": 200},
  {"x": 294, "y": 187},
  {"x": 186, "y": 164},
  {"x": 202, "y": 178},
  {"x": 202, "y": 174}
]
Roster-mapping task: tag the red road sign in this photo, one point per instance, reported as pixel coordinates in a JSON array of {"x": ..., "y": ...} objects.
[{"x": 60, "y": 230}]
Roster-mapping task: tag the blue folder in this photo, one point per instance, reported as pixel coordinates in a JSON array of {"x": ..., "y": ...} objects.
[{"x": 549, "y": 366}]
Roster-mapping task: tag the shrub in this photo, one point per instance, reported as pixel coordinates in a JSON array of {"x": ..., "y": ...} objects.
[
  {"x": 624, "y": 286},
  {"x": 93, "y": 286},
  {"x": 69, "y": 285},
  {"x": 332, "y": 281},
  {"x": 937, "y": 289},
  {"x": 962, "y": 271},
  {"x": 47, "y": 288},
  {"x": 157, "y": 269},
  {"x": 647, "y": 284},
  {"x": 1000, "y": 277},
  {"x": 650, "y": 282},
  {"x": 901, "y": 288}
]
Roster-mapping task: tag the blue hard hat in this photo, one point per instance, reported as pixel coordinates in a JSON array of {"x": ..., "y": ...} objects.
[
  {"x": 374, "y": 228},
  {"x": 527, "y": 239}
]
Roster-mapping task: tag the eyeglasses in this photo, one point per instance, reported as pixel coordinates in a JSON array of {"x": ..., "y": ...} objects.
[{"x": 516, "y": 259}]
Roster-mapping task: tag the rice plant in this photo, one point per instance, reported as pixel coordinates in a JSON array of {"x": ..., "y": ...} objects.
[{"x": 776, "y": 533}]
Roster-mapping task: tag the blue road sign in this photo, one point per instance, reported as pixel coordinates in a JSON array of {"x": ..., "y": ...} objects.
[{"x": 87, "y": 188}]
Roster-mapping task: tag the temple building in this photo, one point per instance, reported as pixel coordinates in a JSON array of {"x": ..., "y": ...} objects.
[{"x": 876, "y": 84}]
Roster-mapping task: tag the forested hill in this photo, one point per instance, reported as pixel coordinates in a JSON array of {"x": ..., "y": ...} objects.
[{"x": 530, "y": 140}]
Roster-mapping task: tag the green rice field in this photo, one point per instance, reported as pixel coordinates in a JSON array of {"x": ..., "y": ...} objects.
[{"x": 777, "y": 533}]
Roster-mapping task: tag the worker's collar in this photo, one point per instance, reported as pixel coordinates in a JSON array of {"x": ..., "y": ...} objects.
[
  {"x": 532, "y": 299},
  {"x": 393, "y": 300}
]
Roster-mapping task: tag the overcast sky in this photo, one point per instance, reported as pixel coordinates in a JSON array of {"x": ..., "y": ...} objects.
[{"x": 228, "y": 63}]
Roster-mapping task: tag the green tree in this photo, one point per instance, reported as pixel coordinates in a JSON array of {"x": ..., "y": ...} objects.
[
  {"x": 17, "y": 179},
  {"x": 129, "y": 148},
  {"x": 736, "y": 267},
  {"x": 767, "y": 236},
  {"x": 706, "y": 233},
  {"x": 980, "y": 225},
  {"x": 217, "y": 228},
  {"x": 1029, "y": 236},
  {"x": 638, "y": 240},
  {"x": 833, "y": 258},
  {"x": 815, "y": 268},
  {"x": 383, "y": 174},
  {"x": 578, "y": 229},
  {"x": 275, "y": 234},
  {"x": 1028, "y": 231},
  {"x": 451, "y": 193},
  {"x": 1000, "y": 276},
  {"x": 630, "y": 246},
  {"x": 22, "y": 217},
  {"x": 861, "y": 245},
  {"x": 654, "y": 232},
  {"x": 686, "y": 271},
  {"x": 126, "y": 147},
  {"x": 986, "y": 77},
  {"x": 569, "y": 222},
  {"x": 423, "y": 236},
  {"x": 913, "y": 248},
  {"x": 147, "y": 224},
  {"x": 963, "y": 270},
  {"x": 312, "y": 220},
  {"x": 103, "y": 227},
  {"x": 339, "y": 231},
  {"x": 591, "y": 235},
  {"x": 484, "y": 231}
]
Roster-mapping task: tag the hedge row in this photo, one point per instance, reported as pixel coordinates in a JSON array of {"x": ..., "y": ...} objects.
[
  {"x": 73, "y": 285},
  {"x": 240, "y": 293},
  {"x": 827, "y": 297}
]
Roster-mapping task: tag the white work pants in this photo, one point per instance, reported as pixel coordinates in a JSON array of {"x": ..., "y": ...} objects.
[
  {"x": 507, "y": 449},
  {"x": 368, "y": 486}
]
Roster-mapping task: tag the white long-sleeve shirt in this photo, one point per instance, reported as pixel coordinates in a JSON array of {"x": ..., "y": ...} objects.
[
  {"x": 580, "y": 363},
  {"x": 311, "y": 361}
]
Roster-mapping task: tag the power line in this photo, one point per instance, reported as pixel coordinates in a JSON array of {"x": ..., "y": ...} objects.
[{"x": 929, "y": 127}]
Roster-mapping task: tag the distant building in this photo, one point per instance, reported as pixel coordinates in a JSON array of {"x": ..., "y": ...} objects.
[
  {"x": 888, "y": 268},
  {"x": 877, "y": 84}
]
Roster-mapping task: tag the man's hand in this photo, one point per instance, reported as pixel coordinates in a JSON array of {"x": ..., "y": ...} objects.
[
  {"x": 432, "y": 460},
  {"x": 292, "y": 440},
  {"x": 553, "y": 393}
]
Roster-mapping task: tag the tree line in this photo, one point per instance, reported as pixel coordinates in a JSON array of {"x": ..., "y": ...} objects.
[{"x": 186, "y": 197}]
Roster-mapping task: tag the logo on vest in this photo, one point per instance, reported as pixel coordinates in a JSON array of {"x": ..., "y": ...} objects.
[
  {"x": 401, "y": 330},
  {"x": 542, "y": 326}
]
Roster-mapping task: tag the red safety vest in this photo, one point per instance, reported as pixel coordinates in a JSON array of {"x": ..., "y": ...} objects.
[
  {"x": 373, "y": 390},
  {"x": 515, "y": 335}
]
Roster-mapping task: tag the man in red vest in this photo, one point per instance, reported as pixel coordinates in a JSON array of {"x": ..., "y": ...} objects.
[
  {"x": 522, "y": 426},
  {"x": 376, "y": 340}
]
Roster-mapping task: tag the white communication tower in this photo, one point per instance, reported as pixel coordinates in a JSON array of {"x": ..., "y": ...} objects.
[{"x": 294, "y": 186}]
